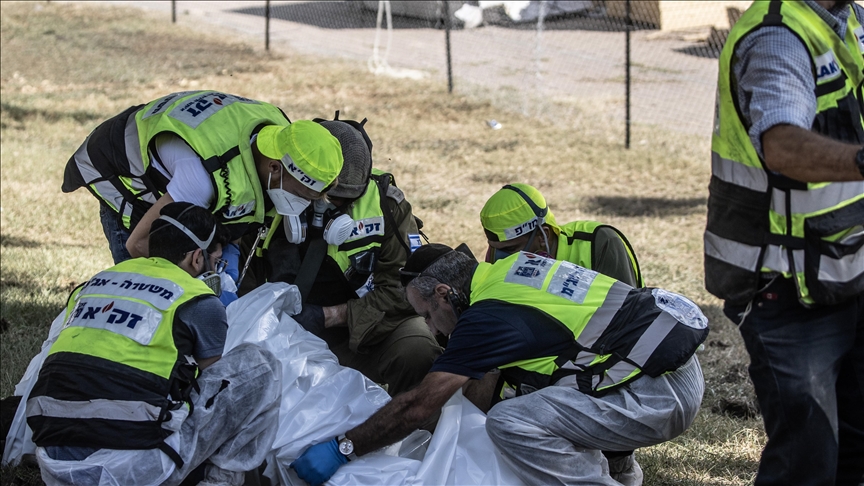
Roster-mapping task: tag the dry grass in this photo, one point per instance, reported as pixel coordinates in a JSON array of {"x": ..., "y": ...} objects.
[{"x": 66, "y": 67}]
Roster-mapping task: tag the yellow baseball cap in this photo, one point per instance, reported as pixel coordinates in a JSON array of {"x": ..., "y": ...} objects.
[
  {"x": 515, "y": 210},
  {"x": 307, "y": 150}
]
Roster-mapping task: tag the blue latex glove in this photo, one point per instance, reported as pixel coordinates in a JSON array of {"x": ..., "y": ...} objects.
[
  {"x": 227, "y": 297},
  {"x": 231, "y": 254},
  {"x": 318, "y": 463}
]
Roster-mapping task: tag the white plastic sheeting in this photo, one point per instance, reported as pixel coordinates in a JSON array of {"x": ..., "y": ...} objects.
[{"x": 322, "y": 399}]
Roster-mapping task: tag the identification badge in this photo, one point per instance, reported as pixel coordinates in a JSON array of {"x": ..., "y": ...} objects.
[
  {"x": 529, "y": 269},
  {"x": 571, "y": 282}
]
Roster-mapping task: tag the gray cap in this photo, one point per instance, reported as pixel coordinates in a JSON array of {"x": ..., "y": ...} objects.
[{"x": 358, "y": 160}]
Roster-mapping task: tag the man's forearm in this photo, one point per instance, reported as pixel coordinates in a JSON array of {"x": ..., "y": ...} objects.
[
  {"x": 809, "y": 157},
  {"x": 391, "y": 423},
  {"x": 405, "y": 413}
]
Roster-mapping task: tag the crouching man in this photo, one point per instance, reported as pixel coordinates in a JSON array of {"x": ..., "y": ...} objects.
[
  {"x": 135, "y": 389},
  {"x": 596, "y": 365}
]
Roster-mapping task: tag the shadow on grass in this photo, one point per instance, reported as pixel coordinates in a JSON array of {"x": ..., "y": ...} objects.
[
  {"x": 19, "y": 242},
  {"x": 645, "y": 206},
  {"x": 28, "y": 304},
  {"x": 20, "y": 114}
]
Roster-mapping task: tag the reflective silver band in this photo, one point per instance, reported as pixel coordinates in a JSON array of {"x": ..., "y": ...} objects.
[
  {"x": 615, "y": 374},
  {"x": 604, "y": 314},
  {"x": 739, "y": 174},
  {"x": 841, "y": 270},
  {"x": 651, "y": 338},
  {"x": 815, "y": 200},
  {"x": 129, "y": 411},
  {"x": 85, "y": 165},
  {"x": 731, "y": 252},
  {"x": 133, "y": 147}
]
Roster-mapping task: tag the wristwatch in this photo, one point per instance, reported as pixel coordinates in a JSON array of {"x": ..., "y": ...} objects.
[
  {"x": 346, "y": 447},
  {"x": 859, "y": 161}
]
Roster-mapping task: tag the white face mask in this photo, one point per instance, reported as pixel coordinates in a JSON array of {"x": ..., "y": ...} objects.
[{"x": 286, "y": 203}]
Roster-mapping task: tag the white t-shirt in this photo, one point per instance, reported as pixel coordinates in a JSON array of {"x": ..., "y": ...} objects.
[{"x": 188, "y": 180}]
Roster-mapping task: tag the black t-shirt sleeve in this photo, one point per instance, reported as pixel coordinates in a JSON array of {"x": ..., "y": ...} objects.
[{"x": 493, "y": 333}]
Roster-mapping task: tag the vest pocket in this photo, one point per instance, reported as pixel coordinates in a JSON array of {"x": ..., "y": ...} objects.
[
  {"x": 737, "y": 219},
  {"x": 834, "y": 266}
]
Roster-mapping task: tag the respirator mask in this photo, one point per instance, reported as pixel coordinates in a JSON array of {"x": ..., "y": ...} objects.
[
  {"x": 291, "y": 207},
  {"x": 339, "y": 226},
  {"x": 212, "y": 278}
]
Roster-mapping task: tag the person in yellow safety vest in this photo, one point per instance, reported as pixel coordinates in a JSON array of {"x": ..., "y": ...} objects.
[
  {"x": 517, "y": 218},
  {"x": 137, "y": 384},
  {"x": 784, "y": 239},
  {"x": 599, "y": 365},
  {"x": 235, "y": 156},
  {"x": 354, "y": 300}
]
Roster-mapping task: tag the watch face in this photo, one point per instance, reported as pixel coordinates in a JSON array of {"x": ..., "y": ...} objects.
[{"x": 346, "y": 447}]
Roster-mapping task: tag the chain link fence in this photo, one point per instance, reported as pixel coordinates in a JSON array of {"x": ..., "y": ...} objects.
[{"x": 637, "y": 62}]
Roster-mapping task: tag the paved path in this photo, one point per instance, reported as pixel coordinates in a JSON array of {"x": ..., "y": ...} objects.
[{"x": 563, "y": 71}]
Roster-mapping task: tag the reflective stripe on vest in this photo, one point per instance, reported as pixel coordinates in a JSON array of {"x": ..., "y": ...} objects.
[
  {"x": 763, "y": 222},
  {"x": 127, "y": 410},
  {"x": 619, "y": 332}
]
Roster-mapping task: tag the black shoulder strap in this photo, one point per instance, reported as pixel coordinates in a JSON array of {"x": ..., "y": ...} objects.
[
  {"x": 390, "y": 227},
  {"x": 310, "y": 266},
  {"x": 773, "y": 17}
]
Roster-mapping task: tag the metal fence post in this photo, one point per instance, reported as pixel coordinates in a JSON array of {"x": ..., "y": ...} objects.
[
  {"x": 267, "y": 25},
  {"x": 446, "y": 11},
  {"x": 629, "y": 22},
  {"x": 173, "y": 11}
]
